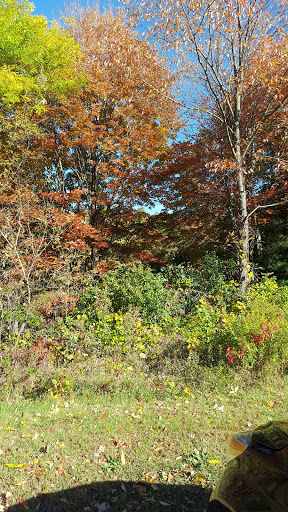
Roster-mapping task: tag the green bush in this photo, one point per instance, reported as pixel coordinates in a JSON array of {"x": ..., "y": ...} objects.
[
  {"x": 129, "y": 286},
  {"x": 249, "y": 332},
  {"x": 205, "y": 280},
  {"x": 92, "y": 302},
  {"x": 136, "y": 286}
]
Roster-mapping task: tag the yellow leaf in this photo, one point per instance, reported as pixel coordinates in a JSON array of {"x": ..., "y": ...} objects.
[
  {"x": 199, "y": 479},
  {"x": 214, "y": 461},
  {"x": 123, "y": 461},
  {"x": 10, "y": 465}
]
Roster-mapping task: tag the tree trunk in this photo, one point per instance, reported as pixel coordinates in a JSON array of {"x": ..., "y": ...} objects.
[
  {"x": 243, "y": 248},
  {"x": 93, "y": 213},
  {"x": 244, "y": 234}
]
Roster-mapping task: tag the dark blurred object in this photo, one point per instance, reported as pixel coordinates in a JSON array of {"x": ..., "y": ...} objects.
[{"x": 256, "y": 478}]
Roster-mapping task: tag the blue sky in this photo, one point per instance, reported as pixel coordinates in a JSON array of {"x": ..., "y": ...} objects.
[
  {"x": 53, "y": 9},
  {"x": 50, "y": 8}
]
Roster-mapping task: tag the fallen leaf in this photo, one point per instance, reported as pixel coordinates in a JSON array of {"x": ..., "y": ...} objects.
[
  {"x": 199, "y": 479},
  {"x": 101, "y": 508},
  {"x": 23, "y": 503}
]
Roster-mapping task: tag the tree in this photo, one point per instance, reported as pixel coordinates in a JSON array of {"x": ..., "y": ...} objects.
[
  {"x": 105, "y": 138},
  {"x": 36, "y": 61},
  {"x": 195, "y": 216},
  {"x": 232, "y": 56},
  {"x": 272, "y": 245},
  {"x": 39, "y": 242}
]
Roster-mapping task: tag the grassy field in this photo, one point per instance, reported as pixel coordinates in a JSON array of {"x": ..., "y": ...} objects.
[{"x": 109, "y": 436}]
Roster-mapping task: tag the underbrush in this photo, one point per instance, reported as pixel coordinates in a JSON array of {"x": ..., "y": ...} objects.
[{"x": 157, "y": 329}]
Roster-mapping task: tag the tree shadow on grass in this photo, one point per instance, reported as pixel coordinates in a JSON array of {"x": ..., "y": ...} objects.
[{"x": 116, "y": 496}]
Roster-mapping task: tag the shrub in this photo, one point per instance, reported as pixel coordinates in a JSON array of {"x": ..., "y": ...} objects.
[
  {"x": 211, "y": 275},
  {"x": 55, "y": 303},
  {"x": 136, "y": 286},
  {"x": 252, "y": 332},
  {"x": 92, "y": 302}
]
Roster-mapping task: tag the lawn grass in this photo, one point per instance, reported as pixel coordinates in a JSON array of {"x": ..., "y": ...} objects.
[{"x": 112, "y": 436}]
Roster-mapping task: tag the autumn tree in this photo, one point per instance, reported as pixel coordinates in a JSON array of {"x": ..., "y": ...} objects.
[
  {"x": 194, "y": 217},
  {"x": 232, "y": 57},
  {"x": 105, "y": 138},
  {"x": 199, "y": 190},
  {"x": 37, "y": 60},
  {"x": 39, "y": 244}
]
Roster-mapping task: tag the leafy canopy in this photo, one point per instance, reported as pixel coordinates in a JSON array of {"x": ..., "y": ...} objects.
[{"x": 36, "y": 59}]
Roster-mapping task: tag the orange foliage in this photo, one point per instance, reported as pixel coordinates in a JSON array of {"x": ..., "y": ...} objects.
[{"x": 105, "y": 139}]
